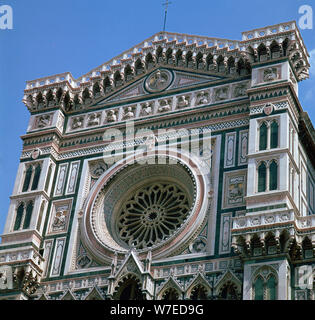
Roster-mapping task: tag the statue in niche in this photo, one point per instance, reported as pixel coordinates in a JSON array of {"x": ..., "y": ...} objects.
[
  {"x": 146, "y": 109},
  {"x": 270, "y": 74},
  {"x": 111, "y": 116},
  {"x": 94, "y": 119},
  {"x": 129, "y": 113},
  {"x": 59, "y": 220},
  {"x": 77, "y": 122},
  {"x": 202, "y": 98},
  {"x": 43, "y": 121},
  {"x": 221, "y": 94},
  {"x": 164, "y": 106},
  {"x": 240, "y": 90},
  {"x": 182, "y": 102}
]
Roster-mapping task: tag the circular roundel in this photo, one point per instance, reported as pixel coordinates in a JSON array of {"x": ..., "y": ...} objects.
[
  {"x": 159, "y": 205},
  {"x": 159, "y": 80}
]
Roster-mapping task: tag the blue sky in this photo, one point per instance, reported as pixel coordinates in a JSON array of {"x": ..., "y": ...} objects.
[{"x": 51, "y": 37}]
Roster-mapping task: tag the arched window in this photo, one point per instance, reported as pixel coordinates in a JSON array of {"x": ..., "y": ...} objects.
[
  {"x": 271, "y": 288},
  {"x": 274, "y": 135},
  {"x": 28, "y": 215},
  {"x": 170, "y": 294},
  {"x": 273, "y": 176},
  {"x": 19, "y": 217},
  {"x": 259, "y": 289},
  {"x": 48, "y": 178},
  {"x": 36, "y": 177},
  {"x": 262, "y": 177},
  {"x": 27, "y": 178},
  {"x": 263, "y": 136}
]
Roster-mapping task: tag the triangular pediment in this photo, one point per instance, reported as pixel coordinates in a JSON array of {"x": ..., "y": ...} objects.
[
  {"x": 175, "y": 79},
  {"x": 132, "y": 264}
]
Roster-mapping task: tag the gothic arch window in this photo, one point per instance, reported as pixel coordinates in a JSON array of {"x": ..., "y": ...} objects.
[
  {"x": 263, "y": 136},
  {"x": 23, "y": 216},
  {"x": 28, "y": 215},
  {"x": 139, "y": 67},
  {"x": 170, "y": 294},
  {"x": 107, "y": 85},
  {"x": 265, "y": 285},
  {"x": 262, "y": 181},
  {"x": 27, "y": 178},
  {"x": 37, "y": 172},
  {"x": 285, "y": 45},
  {"x": 129, "y": 289},
  {"x": 199, "y": 61},
  {"x": 259, "y": 288},
  {"x": 59, "y": 95},
  {"x": 179, "y": 57},
  {"x": 149, "y": 61},
  {"x": 48, "y": 178},
  {"x": 274, "y": 134},
  {"x": 128, "y": 73},
  {"x": 273, "y": 176},
  {"x": 271, "y": 288},
  {"x": 19, "y": 217},
  {"x": 228, "y": 292},
  {"x": 67, "y": 101},
  {"x": 199, "y": 292},
  {"x": 96, "y": 90},
  {"x": 251, "y": 54},
  {"x": 118, "y": 79},
  {"x": 40, "y": 217}
]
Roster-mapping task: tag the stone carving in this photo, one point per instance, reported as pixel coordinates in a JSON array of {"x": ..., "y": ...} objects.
[
  {"x": 268, "y": 108},
  {"x": 97, "y": 169},
  {"x": 240, "y": 90},
  {"x": 94, "y": 119},
  {"x": 158, "y": 81},
  {"x": 83, "y": 262},
  {"x": 221, "y": 94},
  {"x": 202, "y": 98},
  {"x": 60, "y": 220},
  {"x": 182, "y": 102},
  {"x": 128, "y": 113},
  {"x": 235, "y": 189},
  {"x": 165, "y": 106},
  {"x": 111, "y": 116},
  {"x": 146, "y": 109},
  {"x": 35, "y": 153},
  {"x": 199, "y": 245},
  {"x": 77, "y": 122},
  {"x": 270, "y": 74},
  {"x": 43, "y": 121}
]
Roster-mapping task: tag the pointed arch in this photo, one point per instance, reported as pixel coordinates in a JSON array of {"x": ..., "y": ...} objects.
[
  {"x": 199, "y": 61},
  {"x": 275, "y": 50},
  {"x": 231, "y": 65},
  {"x": 189, "y": 59},
  {"x": 19, "y": 216},
  {"x": 37, "y": 173},
  {"x": 68, "y": 103},
  {"x": 258, "y": 288},
  {"x": 149, "y": 61},
  {"x": 107, "y": 84},
  {"x": 86, "y": 96},
  {"x": 171, "y": 294},
  {"x": 159, "y": 54},
  {"x": 28, "y": 215},
  {"x": 139, "y": 67},
  {"x": 285, "y": 46},
  {"x": 262, "y": 178},
  {"x": 179, "y": 58},
  {"x": 262, "y": 53},
  {"x": 273, "y": 175},
  {"x": 27, "y": 178},
  {"x": 128, "y": 73},
  {"x": 220, "y": 64},
  {"x": 274, "y": 134},
  {"x": 59, "y": 95},
  {"x": 129, "y": 288},
  {"x": 96, "y": 89},
  {"x": 307, "y": 248},
  {"x": 251, "y": 54},
  {"x": 263, "y": 138},
  {"x": 209, "y": 61},
  {"x": 169, "y": 56},
  {"x": 118, "y": 80}
]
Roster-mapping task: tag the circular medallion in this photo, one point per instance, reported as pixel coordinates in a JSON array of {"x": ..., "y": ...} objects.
[
  {"x": 35, "y": 153},
  {"x": 158, "y": 80}
]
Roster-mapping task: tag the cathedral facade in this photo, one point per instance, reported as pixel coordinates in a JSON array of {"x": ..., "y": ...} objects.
[{"x": 181, "y": 169}]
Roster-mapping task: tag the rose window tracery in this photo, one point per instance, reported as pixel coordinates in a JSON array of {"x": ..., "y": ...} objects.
[{"x": 152, "y": 214}]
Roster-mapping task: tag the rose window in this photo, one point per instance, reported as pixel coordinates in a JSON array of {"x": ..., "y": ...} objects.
[{"x": 151, "y": 214}]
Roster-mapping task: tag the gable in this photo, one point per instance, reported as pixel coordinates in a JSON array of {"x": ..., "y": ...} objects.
[{"x": 173, "y": 79}]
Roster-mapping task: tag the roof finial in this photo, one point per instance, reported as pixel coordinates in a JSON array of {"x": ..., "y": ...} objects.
[{"x": 165, "y": 16}]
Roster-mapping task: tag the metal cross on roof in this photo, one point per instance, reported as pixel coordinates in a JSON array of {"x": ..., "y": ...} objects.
[{"x": 166, "y": 4}]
